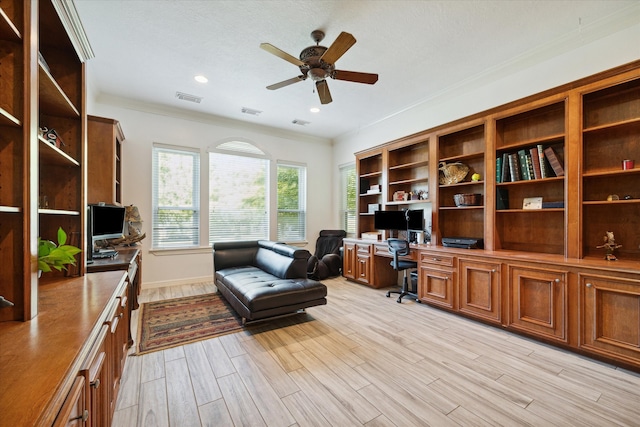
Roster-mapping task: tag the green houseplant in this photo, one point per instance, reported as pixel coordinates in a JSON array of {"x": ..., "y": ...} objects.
[{"x": 51, "y": 255}]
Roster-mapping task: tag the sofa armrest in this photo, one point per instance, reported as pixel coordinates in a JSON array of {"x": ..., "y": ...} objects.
[{"x": 234, "y": 254}]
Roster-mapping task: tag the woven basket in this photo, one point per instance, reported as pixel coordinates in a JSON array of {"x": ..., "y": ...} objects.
[
  {"x": 473, "y": 199},
  {"x": 452, "y": 173}
]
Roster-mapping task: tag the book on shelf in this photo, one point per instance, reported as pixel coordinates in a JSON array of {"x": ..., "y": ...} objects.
[
  {"x": 506, "y": 174},
  {"x": 499, "y": 170},
  {"x": 502, "y": 198},
  {"x": 530, "y": 170},
  {"x": 544, "y": 170},
  {"x": 522, "y": 162},
  {"x": 535, "y": 162},
  {"x": 554, "y": 161},
  {"x": 514, "y": 168}
]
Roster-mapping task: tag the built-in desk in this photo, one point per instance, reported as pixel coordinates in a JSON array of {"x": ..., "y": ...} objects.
[{"x": 368, "y": 262}]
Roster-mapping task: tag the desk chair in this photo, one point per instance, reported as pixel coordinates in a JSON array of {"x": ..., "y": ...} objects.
[{"x": 398, "y": 248}]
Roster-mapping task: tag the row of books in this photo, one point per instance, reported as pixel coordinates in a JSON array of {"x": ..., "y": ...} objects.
[{"x": 537, "y": 162}]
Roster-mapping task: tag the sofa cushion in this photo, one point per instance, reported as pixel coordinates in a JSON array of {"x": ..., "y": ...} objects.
[{"x": 259, "y": 290}]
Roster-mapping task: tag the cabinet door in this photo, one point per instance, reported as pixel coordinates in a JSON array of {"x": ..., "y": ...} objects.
[
  {"x": 538, "y": 301},
  {"x": 74, "y": 411},
  {"x": 349, "y": 261},
  {"x": 479, "y": 283},
  {"x": 363, "y": 268},
  {"x": 437, "y": 287},
  {"x": 610, "y": 316}
]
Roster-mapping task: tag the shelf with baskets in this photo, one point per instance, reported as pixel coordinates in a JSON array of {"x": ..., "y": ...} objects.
[
  {"x": 461, "y": 181},
  {"x": 610, "y": 189}
]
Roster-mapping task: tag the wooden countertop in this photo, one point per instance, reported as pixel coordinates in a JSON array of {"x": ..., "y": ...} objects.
[{"x": 39, "y": 359}]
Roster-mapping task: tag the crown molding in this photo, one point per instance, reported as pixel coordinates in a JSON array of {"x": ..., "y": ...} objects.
[{"x": 70, "y": 19}]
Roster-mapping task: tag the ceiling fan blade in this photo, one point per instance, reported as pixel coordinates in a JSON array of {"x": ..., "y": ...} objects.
[
  {"x": 281, "y": 54},
  {"x": 286, "y": 82},
  {"x": 353, "y": 76},
  {"x": 323, "y": 92},
  {"x": 338, "y": 48}
]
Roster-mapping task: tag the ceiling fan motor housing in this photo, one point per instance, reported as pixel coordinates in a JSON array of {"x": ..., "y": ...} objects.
[{"x": 313, "y": 67}]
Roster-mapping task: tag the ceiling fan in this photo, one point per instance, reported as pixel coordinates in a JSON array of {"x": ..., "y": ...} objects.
[{"x": 317, "y": 62}]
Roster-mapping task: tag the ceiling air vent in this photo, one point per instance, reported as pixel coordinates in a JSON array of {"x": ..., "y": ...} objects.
[
  {"x": 187, "y": 97},
  {"x": 251, "y": 111},
  {"x": 300, "y": 122}
]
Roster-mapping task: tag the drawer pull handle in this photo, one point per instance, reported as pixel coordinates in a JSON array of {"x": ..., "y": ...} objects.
[
  {"x": 493, "y": 270},
  {"x": 589, "y": 285},
  {"x": 437, "y": 259},
  {"x": 96, "y": 383},
  {"x": 557, "y": 280}
]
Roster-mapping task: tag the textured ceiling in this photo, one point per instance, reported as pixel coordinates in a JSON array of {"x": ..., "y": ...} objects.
[{"x": 145, "y": 51}]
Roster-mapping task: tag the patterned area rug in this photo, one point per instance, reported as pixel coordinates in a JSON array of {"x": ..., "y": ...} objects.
[{"x": 174, "y": 322}]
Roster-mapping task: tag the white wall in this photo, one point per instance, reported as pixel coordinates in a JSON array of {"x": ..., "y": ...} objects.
[{"x": 143, "y": 128}]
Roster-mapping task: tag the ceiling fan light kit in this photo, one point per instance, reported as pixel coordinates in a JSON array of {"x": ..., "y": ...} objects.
[{"x": 318, "y": 63}]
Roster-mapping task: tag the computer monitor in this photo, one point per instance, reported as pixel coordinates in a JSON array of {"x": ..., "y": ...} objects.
[
  {"x": 415, "y": 219},
  {"x": 389, "y": 220},
  {"x": 104, "y": 222}
]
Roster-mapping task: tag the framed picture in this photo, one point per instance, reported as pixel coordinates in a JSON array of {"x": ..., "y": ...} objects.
[{"x": 532, "y": 203}]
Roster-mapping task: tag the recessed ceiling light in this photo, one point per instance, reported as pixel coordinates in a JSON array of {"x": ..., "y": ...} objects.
[
  {"x": 314, "y": 109},
  {"x": 201, "y": 79}
]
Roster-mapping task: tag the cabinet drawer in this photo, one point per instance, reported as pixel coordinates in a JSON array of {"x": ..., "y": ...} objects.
[
  {"x": 363, "y": 249},
  {"x": 436, "y": 259}
]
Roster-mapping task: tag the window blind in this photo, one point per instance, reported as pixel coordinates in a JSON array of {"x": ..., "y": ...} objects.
[
  {"x": 175, "y": 199},
  {"x": 238, "y": 197},
  {"x": 348, "y": 198},
  {"x": 292, "y": 184}
]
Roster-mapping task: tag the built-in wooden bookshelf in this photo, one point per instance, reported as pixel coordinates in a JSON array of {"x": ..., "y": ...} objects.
[{"x": 42, "y": 183}]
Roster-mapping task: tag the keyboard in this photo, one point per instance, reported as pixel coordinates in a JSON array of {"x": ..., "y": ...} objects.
[{"x": 105, "y": 253}]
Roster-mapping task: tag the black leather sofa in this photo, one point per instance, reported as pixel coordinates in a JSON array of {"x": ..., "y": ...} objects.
[{"x": 261, "y": 278}]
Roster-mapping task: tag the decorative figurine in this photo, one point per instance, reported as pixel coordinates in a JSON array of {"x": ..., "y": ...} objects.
[{"x": 609, "y": 246}]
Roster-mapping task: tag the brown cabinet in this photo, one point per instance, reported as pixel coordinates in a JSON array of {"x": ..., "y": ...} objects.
[
  {"x": 436, "y": 280},
  {"x": 97, "y": 372},
  {"x": 480, "y": 289},
  {"x": 104, "y": 160},
  {"x": 74, "y": 412},
  {"x": 363, "y": 263},
  {"x": 349, "y": 260},
  {"x": 610, "y": 316},
  {"x": 538, "y": 301}
]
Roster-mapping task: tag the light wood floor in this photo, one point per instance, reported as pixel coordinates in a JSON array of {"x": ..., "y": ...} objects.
[{"x": 365, "y": 360}]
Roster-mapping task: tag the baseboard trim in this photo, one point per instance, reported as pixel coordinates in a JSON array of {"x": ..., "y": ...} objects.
[{"x": 187, "y": 281}]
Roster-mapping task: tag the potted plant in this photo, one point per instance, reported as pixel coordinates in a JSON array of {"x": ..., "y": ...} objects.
[{"x": 51, "y": 255}]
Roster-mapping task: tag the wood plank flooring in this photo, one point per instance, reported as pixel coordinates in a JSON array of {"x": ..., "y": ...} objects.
[{"x": 365, "y": 360}]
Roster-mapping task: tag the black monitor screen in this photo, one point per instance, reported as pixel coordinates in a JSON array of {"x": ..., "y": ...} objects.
[
  {"x": 107, "y": 221},
  {"x": 389, "y": 220},
  {"x": 416, "y": 220}
]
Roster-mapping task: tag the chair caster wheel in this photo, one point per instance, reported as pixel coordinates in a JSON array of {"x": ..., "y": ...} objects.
[
  {"x": 388, "y": 294},
  {"x": 399, "y": 301},
  {"x": 418, "y": 301}
]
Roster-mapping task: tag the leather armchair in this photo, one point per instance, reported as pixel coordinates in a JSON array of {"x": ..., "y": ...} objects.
[{"x": 327, "y": 260}]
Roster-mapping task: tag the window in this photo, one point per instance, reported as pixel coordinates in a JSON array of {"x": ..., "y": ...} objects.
[
  {"x": 238, "y": 196},
  {"x": 292, "y": 203},
  {"x": 176, "y": 200},
  {"x": 348, "y": 199}
]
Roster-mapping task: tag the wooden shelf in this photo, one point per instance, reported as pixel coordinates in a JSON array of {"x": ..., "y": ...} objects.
[
  {"x": 462, "y": 157},
  {"x": 8, "y": 30},
  {"x": 10, "y": 209},
  {"x": 52, "y": 155},
  {"x": 53, "y": 100},
  {"x": 531, "y": 181},
  {"x": 58, "y": 212},
  {"x": 547, "y": 140},
  {"x": 6, "y": 119}
]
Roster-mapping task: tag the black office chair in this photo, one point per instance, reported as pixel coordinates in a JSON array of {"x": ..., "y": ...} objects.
[{"x": 398, "y": 248}]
